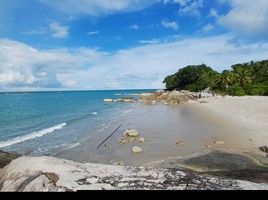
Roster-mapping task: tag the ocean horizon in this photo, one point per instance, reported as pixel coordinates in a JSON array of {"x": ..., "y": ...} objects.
[{"x": 44, "y": 122}]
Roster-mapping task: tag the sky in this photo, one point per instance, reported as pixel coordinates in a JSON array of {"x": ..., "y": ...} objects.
[{"x": 123, "y": 44}]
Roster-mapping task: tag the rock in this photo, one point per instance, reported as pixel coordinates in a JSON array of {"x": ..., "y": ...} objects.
[
  {"x": 137, "y": 150},
  {"x": 208, "y": 146},
  {"x": 219, "y": 142},
  {"x": 6, "y": 158},
  {"x": 131, "y": 133},
  {"x": 31, "y": 174},
  {"x": 174, "y": 97},
  {"x": 120, "y": 163},
  {"x": 141, "y": 140},
  {"x": 264, "y": 149},
  {"x": 180, "y": 142},
  {"x": 127, "y": 100},
  {"x": 108, "y": 100}
]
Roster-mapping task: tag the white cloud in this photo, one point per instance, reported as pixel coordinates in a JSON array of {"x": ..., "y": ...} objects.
[
  {"x": 97, "y": 7},
  {"x": 35, "y": 32},
  {"x": 142, "y": 67},
  {"x": 59, "y": 31},
  {"x": 248, "y": 18},
  {"x": 154, "y": 41},
  {"x": 213, "y": 13},
  {"x": 93, "y": 33},
  {"x": 134, "y": 27},
  {"x": 170, "y": 24},
  {"x": 187, "y": 7},
  {"x": 208, "y": 28}
]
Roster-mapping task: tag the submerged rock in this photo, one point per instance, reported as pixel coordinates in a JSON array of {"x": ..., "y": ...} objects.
[
  {"x": 53, "y": 174},
  {"x": 137, "y": 150}
]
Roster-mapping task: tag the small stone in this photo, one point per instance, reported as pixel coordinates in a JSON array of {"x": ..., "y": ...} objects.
[
  {"x": 208, "y": 146},
  {"x": 141, "y": 140},
  {"x": 137, "y": 150},
  {"x": 131, "y": 133},
  {"x": 180, "y": 142},
  {"x": 219, "y": 142},
  {"x": 264, "y": 149}
]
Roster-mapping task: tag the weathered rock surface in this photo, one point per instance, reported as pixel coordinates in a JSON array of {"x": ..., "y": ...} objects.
[
  {"x": 264, "y": 149},
  {"x": 6, "y": 158},
  {"x": 174, "y": 97},
  {"x": 122, "y": 100},
  {"x": 141, "y": 140},
  {"x": 52, "y": 174},
  {"x": 137, "y": 150},
  {"x": 131, "y": 133}
]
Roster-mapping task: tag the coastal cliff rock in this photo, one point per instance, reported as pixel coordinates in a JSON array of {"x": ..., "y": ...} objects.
[
  {"x": 53, "y": 174},
  {"x": 6, "y": 158},
  {"x": 174, "y": 97}
]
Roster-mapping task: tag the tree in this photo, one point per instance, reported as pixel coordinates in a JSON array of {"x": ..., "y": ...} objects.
[{"x": 226, "y": 79}]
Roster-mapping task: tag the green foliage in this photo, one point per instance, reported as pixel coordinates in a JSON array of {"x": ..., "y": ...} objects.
[
  {"x": 236, "y": 91},
  {"x": 193, "y": 78},
  {"x": 243, "y": 79}
]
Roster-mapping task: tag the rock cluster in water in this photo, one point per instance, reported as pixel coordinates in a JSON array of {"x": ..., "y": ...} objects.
[
  {"x": 174, "y": 97},
  {"x": 132, "y": 135}
]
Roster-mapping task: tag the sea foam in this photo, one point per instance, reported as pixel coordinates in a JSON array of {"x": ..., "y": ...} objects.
[{"x": 32, "y": 135}]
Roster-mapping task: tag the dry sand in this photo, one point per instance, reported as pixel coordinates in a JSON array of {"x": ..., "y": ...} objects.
[{"x": 248, "y": 114}]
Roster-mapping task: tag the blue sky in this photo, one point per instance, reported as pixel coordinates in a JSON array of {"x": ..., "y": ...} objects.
[{"x": 123, "y": 44}]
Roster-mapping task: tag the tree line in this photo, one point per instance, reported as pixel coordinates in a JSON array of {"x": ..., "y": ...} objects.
[{"x": 242, "y": 79}]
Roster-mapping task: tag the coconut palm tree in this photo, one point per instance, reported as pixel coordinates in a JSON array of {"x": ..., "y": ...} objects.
[
  {"x": 226, "y": 79},
  {"x": 243, "y": 77}
]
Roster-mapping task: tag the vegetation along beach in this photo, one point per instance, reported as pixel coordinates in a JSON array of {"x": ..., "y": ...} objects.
[{"x": 133, "y": 95}]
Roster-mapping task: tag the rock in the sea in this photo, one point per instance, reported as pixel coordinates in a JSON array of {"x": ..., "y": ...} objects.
[
  {"x": 219, "y": 142},
  {"x": 264, "y": 149},
  {"x": 180, "y": 142},
  {"x": 141, "y": 140},
  {"x": 52, "y": 174},
  {"x": 108, "y": 100},
  {"x": 131, "y": 133},
  {"x": 137, "y": 150}
]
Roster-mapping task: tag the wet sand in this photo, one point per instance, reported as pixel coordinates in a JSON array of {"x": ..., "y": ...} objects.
[{"x": 162, "y": 126}]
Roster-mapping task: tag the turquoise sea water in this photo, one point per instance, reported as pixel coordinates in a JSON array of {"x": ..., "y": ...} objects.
[{"x": 43, "y": 122}]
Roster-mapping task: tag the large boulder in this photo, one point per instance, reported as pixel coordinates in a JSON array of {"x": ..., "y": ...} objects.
[
  {"x": 131, "y": 133},
  {"x": 53, "y": 174}
]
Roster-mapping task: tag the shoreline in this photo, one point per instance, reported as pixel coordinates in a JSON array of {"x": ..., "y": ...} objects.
[
  {"x": 209, "y": 115},
  {"x": 161, "y": 135}
]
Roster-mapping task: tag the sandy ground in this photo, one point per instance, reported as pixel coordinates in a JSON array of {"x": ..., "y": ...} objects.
[
  {"x": 239, "y": 122},
  {"x": 248, "y": 114}
]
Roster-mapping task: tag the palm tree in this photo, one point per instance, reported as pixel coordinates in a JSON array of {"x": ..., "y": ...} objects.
[
  {"x": 226, "y": 79},
  {"x": 243, "y": 77}
]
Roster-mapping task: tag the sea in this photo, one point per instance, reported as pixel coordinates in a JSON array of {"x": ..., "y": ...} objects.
[{"x": 43, "y": 123}]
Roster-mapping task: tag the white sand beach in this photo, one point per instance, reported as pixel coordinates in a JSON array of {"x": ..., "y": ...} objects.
[{"x": 249, "y": 114}]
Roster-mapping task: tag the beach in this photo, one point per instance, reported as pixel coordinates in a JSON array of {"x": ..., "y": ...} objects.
[
  {"x": 230, "y": 124},
  {"x": 209, "y": 138}
]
